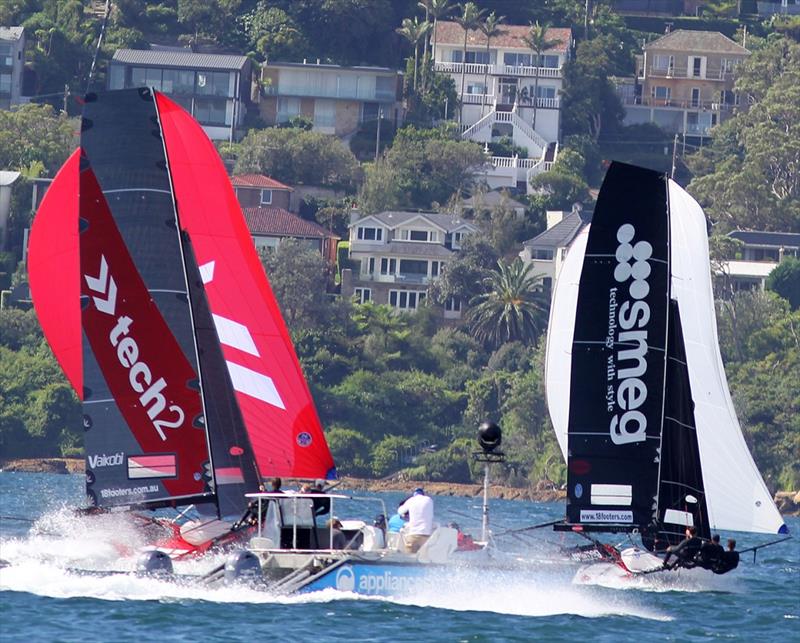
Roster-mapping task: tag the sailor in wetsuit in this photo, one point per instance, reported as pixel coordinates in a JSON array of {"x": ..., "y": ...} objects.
[
  {"x": 710, "y": 553},
  {"x": 729, "y": 559},
  {"x": 684, "y": 551}
]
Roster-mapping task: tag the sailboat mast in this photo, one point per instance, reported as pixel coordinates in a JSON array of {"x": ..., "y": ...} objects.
[
  {"x": 668, "y": 295},
  {"x": 211, "y": 472}
]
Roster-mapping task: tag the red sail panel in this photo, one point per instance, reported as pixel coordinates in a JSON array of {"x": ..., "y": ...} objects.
[
  {"x": 53, "y": 270},
  {"x": 145, "y": 369},
  {"x": 275, "y": 401}
]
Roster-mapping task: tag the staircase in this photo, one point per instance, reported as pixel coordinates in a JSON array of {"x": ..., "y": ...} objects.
[{"x": 481, "y": 131}]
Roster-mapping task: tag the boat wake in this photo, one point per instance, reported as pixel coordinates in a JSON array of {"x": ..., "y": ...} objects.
[{"x": 683, "y": 580}]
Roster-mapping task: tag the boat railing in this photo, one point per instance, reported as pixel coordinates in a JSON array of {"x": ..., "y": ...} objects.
[{"x": 295, "y": 513}]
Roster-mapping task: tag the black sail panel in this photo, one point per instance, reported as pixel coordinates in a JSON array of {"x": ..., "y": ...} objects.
[
  {"x": 681, "y": 496},
  {"x": 141, "y": 394},
  {"x": 619, "y": 354},
  {"x": 235, "y": 471}
]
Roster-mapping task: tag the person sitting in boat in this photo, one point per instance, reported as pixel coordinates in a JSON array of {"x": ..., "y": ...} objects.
[
  {"x": 275, "y": 485},
  {"x": 396, "y": 521},
  {"x": 685, "y": 551},
  {"x": 464, "y": 541},
  {"x": 338, "y": 539},
  {"x": 419, "y": 509},
  {"x": 322, "y": 506},
  {"x": 710, "y": 553},
  {"x": 728, "y": 560}
]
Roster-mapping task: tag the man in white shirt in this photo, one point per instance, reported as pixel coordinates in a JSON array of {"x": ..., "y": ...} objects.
[{"x": 419, "y": 509}]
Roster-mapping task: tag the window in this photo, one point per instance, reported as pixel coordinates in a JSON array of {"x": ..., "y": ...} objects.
[
  {"x": 362, "y": 295},
  {"x": 370, "y": 234},
  {"x": 287, "y": 108},
  {"x": 116, "y": 77},
  {"x": 266, "y": 197},
  {"x": 5, "y": 83},
  {"x": 543, "y": 91},
  {"x": 406, "y": 299},
  {"x": 436, "y": 268},
  {"x": 517, "y": 60},
  {"x": 388, "y": 266},
  {"x": 417, "y": 235},
  {"x": 697, "y": 66},
  {"x": 457, "y": 238},
  {"x": 549, "y": 61},
  {"x": 210, "y": 111},
  {"x": 541, "y": 254},
  {"x": 661, "y": 93},
  {"x": 453, "y": 304},
  {"x": 175, "y": 81},
  {"x": 6, "y": 59},
  {"x": 663, "y": 63},
  {"x": 473, "y": 57},
  {"x": 413, "y": 268},
  {"x": 476, "y": 89},
  {"x": 213, "y": 83},
  {"x": 368, "y": 266}
]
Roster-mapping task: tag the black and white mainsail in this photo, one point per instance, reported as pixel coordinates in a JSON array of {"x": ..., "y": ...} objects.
[{"x": 635, "y": 381}]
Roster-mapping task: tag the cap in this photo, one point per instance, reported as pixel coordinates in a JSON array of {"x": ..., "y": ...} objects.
[{"x": 419, "y": 491}]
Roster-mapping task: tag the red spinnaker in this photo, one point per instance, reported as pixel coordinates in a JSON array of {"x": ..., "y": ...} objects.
[
  {"x": 275, "y": 401},
  {"x": 53, "y": 270}
]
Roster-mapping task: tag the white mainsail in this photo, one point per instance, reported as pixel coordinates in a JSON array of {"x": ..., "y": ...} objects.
[
  {"x": 736, "y": 495},
  {"x": 560, "y": 330}
]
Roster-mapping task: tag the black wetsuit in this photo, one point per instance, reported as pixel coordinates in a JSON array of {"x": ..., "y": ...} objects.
[
  {"x": 685, "y": 552},
  {"x": 728, "y": 560},
  {"x": 710, "y": 555}
]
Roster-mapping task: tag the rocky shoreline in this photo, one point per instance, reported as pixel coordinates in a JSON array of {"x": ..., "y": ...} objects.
[{"x": 788, "y": 502}]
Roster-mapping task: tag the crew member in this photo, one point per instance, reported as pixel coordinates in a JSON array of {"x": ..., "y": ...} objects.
[
  {"x": 419, "y": 509},
  {"x": 728, "y": 560},
  {"x": 684, "y": 551},
  {"x": 710, "y": 553},
  {"x": 275, "y": 485}
]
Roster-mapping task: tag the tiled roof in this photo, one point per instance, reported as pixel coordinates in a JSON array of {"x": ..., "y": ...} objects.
[
  {"x": 560, "y": 235},
  {"x": 776, "y": 239},
  {"x": 697, "y": 41},
  {"x": 186, "y": 59},
  {"x": 392, "y": 219},
  {"x": 11, "y": 33},
  {"x": 257, "y": 181},
  {"x": 281, "y": 223},
  {"x": 510, "y": 37}
]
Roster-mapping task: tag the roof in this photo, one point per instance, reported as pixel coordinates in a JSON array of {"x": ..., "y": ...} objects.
[
  {"x": 392, "y": 219},
  {"x": 510, "y": 36},
  {"x": 491, "y": 199},
  {"x": 759, "y": 238},
  {"x": 697, "y": 41},
  {"x": 561, "y": 234},
  {"x": 257, "y": 181},
  {"x": 282, "y": 223},
  {"x": 759, "y": 269},
  {"x": 11, "y": 33},
  {"x": 356, "y": 68},
  {"x": 186, "y": 59}
]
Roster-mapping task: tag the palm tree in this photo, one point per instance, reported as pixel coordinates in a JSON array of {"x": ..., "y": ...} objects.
[
  {"x": 537, "y": 40},
  {"x": 437, "y": 9},
  {"x": 469, "y": 20},
  {"x": 512, "y": 308},
  {"x": 414, "y": 31},
  {"x": 490, "y": 28}
]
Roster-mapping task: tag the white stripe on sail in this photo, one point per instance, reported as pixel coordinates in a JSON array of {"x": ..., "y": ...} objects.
[
  {"x": 255, "y": 385},
  {"x": 236, "y": 335},
  {"x": 612, "y": 494}
]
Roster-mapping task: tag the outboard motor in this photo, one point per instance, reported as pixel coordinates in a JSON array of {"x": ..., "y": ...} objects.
[
  {"x": 242, "y": 565},
  {"x": 154, "y": 563}
]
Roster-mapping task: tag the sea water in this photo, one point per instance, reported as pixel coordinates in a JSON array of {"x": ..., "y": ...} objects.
[{"x": 534, "y": 599}]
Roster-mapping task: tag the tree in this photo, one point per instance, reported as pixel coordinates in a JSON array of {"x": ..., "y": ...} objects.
[
  {"x": 537, "y": 40},
  {"x": 437, "y": 9},
  {"x": 298, "y": 276},
  {"x": 297, "y": 156},
  {"x": 31, "y": 133},
  {"x": 273, "y": 33},
  {"x": 490, "y": 28},
  {"x": 414, "y": 31},
  {"x": 469, "y": 20},
  {"x": 785, "y": 280},
  {"x": 513, "y": 308},
  {"x": 749, "y": 178}
]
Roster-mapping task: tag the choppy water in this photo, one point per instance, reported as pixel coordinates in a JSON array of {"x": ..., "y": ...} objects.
[{"x": 40, "y": 601}]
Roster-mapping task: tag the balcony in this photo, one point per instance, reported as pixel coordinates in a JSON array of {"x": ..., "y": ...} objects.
[
  {"x": 677, "y": 103},
  {"x": 683, "y": 73},
  {"x": 497, "y": 70},
  {"x": 400, "y": 278},
  {"x": 314, "y": 91}
]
